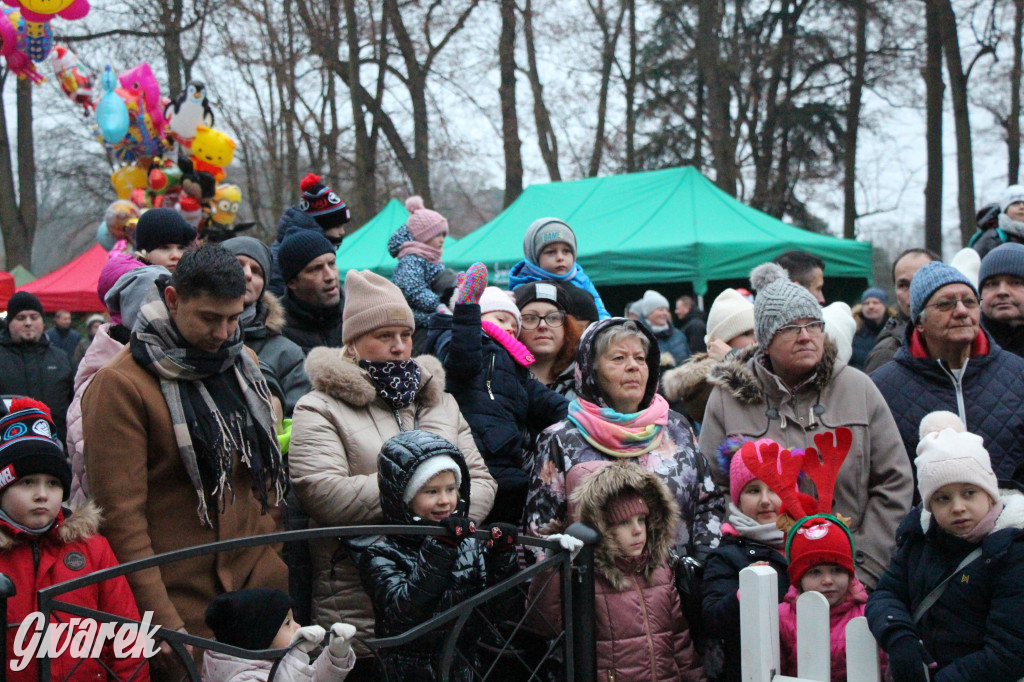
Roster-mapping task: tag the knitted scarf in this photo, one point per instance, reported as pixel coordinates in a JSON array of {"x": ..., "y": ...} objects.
[
  {"x": 747, "y": 527},
  {"x": 219, "y": 404},
  {"x": 536, "y": 273},
  {"x": 397, "y": 383},
  {"x": 520, "y": 353},
  {"x": 415, "y": 248},
  {"x": 620, "y": 435}
]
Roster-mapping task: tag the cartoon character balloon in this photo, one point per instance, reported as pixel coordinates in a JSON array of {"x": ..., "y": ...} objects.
[
  {"x": 77, "y": 86},
  {"x": 212, "y": 150},
  {"x": 111, "y": 111},
  {"x": 187, "y": 113},
  {"x": 14, "y": 46},
  {"x": 38, "y": 14},
  {"x": 141, "y": 82}
]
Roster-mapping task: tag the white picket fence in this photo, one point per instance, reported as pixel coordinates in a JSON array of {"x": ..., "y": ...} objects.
[{"x": 759, "y": 631}]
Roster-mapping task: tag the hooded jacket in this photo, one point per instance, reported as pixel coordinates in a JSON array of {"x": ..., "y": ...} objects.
[
  {"x": 677, "y": 461},
  {"x": 265, "y": 336},
  {"x": 505, "y": 406},
  {"x": 641, "y": 631},
  {"x": 38, "y": 370},
  {"x": 337, "y": 432},
  {"x": 294, "y": 667},
  {"x": 413, "y": 275},
  {"x": 71, "y": 549},
  {"x": 874, "y": 487},
  {"x": 974, "y": 631},
  {"x": 525, "y": 272},
  {"x": 986, "y": 396},
  {"x": 410, "y": 579},
  {"x": 838, "y": 617}
]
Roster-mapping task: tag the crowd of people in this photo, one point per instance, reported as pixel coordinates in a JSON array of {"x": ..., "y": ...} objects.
[{"x": 235, "y": 389}]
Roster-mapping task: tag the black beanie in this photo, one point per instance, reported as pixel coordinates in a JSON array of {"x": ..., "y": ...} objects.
[
  {"x": 322, "y": 204},
  {"x": 160, "y": 226},
  {"x": 298, "y": 249},
  {"x": 29, "y": 445},
  {"x": 21, "y": 302},
  {"x": 248, "y": 619},
  {"x": 541, "y": 291}
]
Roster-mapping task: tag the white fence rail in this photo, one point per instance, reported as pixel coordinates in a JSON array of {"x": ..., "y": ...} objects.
[{"x": 759, "y": 631}]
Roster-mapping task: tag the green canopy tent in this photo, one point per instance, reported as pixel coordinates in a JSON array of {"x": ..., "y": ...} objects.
[
  {"x": 657, "y": 227},
  {"x": 367, "y": 249},
  {"x": 22, "y": 276}
]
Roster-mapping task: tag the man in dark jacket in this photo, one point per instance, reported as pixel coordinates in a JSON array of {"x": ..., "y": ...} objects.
[
  {"x": 1001, "y": 279},
  {"x": 61, "y": 335},
  {"x": 32, "y": 366},
  {"x": 949, "y": 363},
  {"x": 891, "y": 337},
  {"x": 313, "y": 303},
  {"x": 691, "y": 323}
]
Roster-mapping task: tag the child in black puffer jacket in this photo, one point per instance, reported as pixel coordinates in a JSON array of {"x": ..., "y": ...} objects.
[
  {"x": 486, "y": 370},
  {"x": 423, "y": 479}
]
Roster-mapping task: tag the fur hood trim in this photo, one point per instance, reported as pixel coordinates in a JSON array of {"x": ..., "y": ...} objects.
[
  {"x": 79, "y": 524},
  {"x": 595, "y": 485},
  {"x": 678, "y": 382},
  {"x": 275, "y": 313},
  {"x": 331, "y": 372},
  {"x": 738, "y": 378},
  {"x": 1012, "y": 515}
]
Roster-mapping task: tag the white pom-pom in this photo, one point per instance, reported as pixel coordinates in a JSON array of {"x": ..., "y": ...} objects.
[
  {"x": 766, "y": 273},
  {"x": 934, "y": 422},
  {"x": 414, "y": 203}
]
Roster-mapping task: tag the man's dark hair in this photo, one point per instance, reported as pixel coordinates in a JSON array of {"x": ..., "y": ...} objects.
[
  {"x": 689, "y": 300},
  {"x": 208, "y": 269},
  {"x": 800, "y": 265},
  {"x": 907, "y": 252}
]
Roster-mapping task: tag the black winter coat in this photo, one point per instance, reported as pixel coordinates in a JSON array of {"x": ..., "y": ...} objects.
[
  {"x": 989, "y": 390},
  {"x": 975, "y": 630},
  {"x": 1009, "y": 338},
  {"x": 888, "y": 341},
  {"x": 411, "y": 579},
  {"x": 309, "y": 327},
  {"x": 673, "y": 341},
  {"x": 720, "y": 610},
  {"x": 38, "y": 370},
  {"x": 694, "y": 328},
  {"x": 864, "y": 340},
  {"x": 506, "y": 407}
]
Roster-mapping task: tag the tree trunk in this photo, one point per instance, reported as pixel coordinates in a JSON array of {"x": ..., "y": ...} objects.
[
  {"x": 171, "y": 12},
  {"x": 1013, "y": 120},
  {"x": 853, "y": 123},
  {"x": 17, "y": 200},
  {"x": 609, "y": 41},
  {"x": 961, "y": 117},
  {"x": 630, "y": 83},
  {"x": 507, "y": 95},
  {"x": 365, "y": 148},
  {"x": 934, "y": 87},
  {"x": 717, "y": 102},
  {"x": 546, "y": 139}
]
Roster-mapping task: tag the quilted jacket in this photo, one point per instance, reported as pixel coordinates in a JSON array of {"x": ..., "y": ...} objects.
[
  {"x": 505, "y": 406},
  {"x": 974, "y": 631},
  {"x": 410, "y": 579},
  {"x": 987, "y": 397}
]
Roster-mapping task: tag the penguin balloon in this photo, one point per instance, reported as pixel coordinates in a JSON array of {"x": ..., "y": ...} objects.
[{"x": 190, "y": 110}]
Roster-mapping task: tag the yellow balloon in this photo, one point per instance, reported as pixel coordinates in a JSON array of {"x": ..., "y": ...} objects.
[{"x": 127, "y": 178}]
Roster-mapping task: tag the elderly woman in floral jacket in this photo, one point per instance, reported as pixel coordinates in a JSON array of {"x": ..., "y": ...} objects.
[{"x": 618, "y": 414}]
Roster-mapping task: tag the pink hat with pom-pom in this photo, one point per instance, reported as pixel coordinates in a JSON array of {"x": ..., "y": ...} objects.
[
  {"x": 118, "y": 263},
  {"x": 423, "y": 223},
  {"x": 739, "y": 477}
]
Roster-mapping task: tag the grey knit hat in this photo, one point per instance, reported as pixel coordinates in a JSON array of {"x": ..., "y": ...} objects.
[
  {"x": 929, "y": 279},
  {"x": 547, "y": 231},
  {"x": 778, "y": 302},
  {"x": 252, "y": 248},
  {"x": 1005, "y": 259}
]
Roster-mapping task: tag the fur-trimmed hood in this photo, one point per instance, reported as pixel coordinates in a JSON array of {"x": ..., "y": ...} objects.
[
  {"x": 591, "y": 486},
  {"x": 330, "y": 371},
  {"x": 79, "y": 523},
  {"x": 274, "y": 322},
  {"x": 738, "y": 375}
]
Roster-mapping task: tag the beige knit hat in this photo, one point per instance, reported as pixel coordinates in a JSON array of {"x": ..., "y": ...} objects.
[
  {"x": 947, "y": 453},
  {"x": 372, "y": 302},
  {"x": 730, "y": 316}
]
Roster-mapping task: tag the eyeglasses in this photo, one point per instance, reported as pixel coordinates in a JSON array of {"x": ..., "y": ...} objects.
[
  {"x": 553, "y": 319},
  {"x": 948, "y": 304},
  {"x": 792, "y": 331}
]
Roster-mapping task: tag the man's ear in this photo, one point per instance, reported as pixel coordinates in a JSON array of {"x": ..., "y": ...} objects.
[{"x": 171, "y": 298}]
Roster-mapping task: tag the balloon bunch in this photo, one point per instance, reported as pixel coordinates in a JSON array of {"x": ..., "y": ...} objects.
[{"x": 26, "y": 37}]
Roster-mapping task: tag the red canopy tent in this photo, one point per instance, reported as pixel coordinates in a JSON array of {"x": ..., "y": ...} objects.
[
  {"x": 71, "y": 287},
  {"x": 7, "y": 286}
]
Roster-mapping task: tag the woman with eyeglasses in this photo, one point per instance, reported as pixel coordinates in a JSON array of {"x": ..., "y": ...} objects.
[
  {"x": 794, "y": 388},
  {"x": 550, "y": 333}
]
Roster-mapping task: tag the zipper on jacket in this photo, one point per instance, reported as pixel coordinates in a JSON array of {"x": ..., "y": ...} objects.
[
  {"x": 490, "y": 375},
  {"x": 611, "y": 675},
  {"x": 35, "y": 558},
  {"x": 647, "y": 626},
  {"x": 958, "y": 387}
]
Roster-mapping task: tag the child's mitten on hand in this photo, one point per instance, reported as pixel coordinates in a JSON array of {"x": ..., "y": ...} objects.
[
  {"x": 341, "y": 639},
  {"x": 472, "y": 285},
  {"x": 308, "y": 638}
]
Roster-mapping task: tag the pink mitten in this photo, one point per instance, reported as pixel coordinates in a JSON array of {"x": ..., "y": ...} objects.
[{"x": 472, "y": 286}]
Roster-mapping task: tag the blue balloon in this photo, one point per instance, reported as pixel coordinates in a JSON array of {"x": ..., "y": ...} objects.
[{"x": 111, "y": 112}]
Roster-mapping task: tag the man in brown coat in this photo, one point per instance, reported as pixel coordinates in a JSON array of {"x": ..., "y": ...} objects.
[{"x": 182, "y": 406}]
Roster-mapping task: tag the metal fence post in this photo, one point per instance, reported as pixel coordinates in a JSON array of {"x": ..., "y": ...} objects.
[
  {"x": 7, "y": 590},
  {"x": 584, "y": 622}
]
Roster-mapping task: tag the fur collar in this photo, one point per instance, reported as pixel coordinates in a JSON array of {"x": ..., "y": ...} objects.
[
  {"x": 591, "y": 496},
  {"x": 79, "y": 523},
  {"x": 1012, "y": 515},
  {"x": 738, "y": 377},
  {"x": 677, "y": 382},
  {"x": 275, "y": 313},
  {"x": 330, "y": 372}
]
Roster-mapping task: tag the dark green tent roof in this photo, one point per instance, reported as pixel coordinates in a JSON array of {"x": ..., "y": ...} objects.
[{"x": 650, "y": 228}]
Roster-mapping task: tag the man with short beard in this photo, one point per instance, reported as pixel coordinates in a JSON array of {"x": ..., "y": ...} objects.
[
  {"x": 890, "y": 338},
  {"x": 1001, "y": 279},
  {"x": 313, "y": 302}
]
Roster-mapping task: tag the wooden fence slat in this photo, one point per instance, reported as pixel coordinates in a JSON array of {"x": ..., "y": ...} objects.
[
  {"x": 759, "y": 623},
  {"x": 861, "y": 652},
  {"x": 813, "y": 657}
]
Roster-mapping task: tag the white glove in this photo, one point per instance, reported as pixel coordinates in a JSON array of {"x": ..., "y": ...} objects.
[
  {"x": 341, "y": 639},
  {"x": 568, "y": 543},
  {"x": 308, "y": 638}
]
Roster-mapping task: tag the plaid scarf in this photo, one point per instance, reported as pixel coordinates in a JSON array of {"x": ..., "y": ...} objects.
[{"x": 219, "y": 404}]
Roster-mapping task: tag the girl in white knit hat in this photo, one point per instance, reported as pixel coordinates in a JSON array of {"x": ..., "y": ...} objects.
[{"x": 949, "y": 607}]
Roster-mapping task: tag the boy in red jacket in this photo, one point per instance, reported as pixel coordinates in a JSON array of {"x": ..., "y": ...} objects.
[{"x": 43, "y": 543}]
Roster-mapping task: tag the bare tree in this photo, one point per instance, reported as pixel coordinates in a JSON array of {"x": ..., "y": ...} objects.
[
  {"x": 18, "y": 202},
  {"x": 507, "y": 93},
  {"x": 546, "y": 139},
  {"x": 853, "y": 120},
  {"x": 1012, "y": 121}
]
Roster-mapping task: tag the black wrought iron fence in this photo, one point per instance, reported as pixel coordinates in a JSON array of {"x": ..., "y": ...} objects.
[{"x": 502, "y": 649}]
